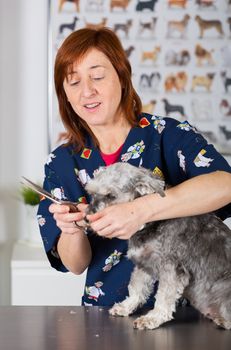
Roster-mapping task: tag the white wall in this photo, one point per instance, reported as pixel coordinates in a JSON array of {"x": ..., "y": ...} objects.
[{"x": 23, "y": 115}]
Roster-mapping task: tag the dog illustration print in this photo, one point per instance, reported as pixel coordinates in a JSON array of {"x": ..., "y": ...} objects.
[
  {"x": 177, "y": 3},
  {"x": 204, "y": 81},
  {"x": 146, "y": 5},
  {"x": 68, "y": 26},
  {"x": 121, "y": 4},
  {"x": 99, "y": 25},
  {"x": 173, "y": 108},
  {"x": 226, "y": 81},
  {"x": 96, "y": 5},
  {"x": 178, "y": 27},
  {"x": 180, "y": 58},
  {"x": 206, "y": 4},
  {"x": 195, "y": 259},
  {"x": 176, "y": 82},
  {"x": 225, "y": 108},
  {"x": 229, "y": 23},
  {"x": 129, "y": 50},
  {"x": 62, "y": 2},
  {"x": 150, "y": 81},
  {"x": 147, "y": 28},
  {"x": 123, "y": 27},
  {"x": 203, "y": 56},
  {"x": 151, "y": 55},
  {"x": 149, "y": 107},
  {"x": 205, "y": 25},
  {"x": 226, "y": 133}
]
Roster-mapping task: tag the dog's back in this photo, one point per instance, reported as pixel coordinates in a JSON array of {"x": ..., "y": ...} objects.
[{"x": 197, "y": 243}]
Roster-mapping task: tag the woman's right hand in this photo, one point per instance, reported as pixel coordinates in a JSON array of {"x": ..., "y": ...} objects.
[
  {"x": 74, "y": 249},
  {"x": 69, "y": 222}
]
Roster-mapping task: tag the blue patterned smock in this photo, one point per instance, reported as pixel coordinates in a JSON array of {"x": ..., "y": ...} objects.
[{"x": 171, "y": 149}]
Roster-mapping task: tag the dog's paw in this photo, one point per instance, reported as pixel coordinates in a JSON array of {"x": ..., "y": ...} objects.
[
  {"x": 222, "y": 323},
  {"x": 227, "y": 325},
  {"x": 119, "y": 310},
  {"x": 146, "y": 322}
]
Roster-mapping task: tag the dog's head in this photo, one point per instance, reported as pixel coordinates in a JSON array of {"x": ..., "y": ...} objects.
[
  {"x": 120, "y": 183},
  {"x": 211, "y": 75}
]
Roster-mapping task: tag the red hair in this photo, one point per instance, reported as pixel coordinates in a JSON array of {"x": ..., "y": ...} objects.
[{"x": 74, "y": 47}]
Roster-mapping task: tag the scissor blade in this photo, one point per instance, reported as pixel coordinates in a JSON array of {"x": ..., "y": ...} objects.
[{"x": 28, "y": 183}]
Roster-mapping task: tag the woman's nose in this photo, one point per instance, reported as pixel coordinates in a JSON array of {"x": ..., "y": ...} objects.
[{"x": 88, "y": 88}]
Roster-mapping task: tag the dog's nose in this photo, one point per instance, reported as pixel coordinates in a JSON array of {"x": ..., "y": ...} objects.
[
  {"x": 91, "y": 209},
  {"x": 86, "y": 222}
]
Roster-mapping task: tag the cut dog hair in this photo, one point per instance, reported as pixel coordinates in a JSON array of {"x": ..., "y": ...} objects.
[{"x": 190, "y": 256}]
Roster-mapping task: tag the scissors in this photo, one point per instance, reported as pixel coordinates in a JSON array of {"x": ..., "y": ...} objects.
[{"x": 36, "y": 188}]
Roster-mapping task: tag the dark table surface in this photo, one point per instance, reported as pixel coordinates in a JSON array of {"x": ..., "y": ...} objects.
[{"x": 86, "y": 328}]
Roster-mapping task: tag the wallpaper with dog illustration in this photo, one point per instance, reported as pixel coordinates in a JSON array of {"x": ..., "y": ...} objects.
[{"x": 180, "y": 52}]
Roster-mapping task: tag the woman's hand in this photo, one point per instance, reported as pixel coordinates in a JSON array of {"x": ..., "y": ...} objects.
[
  {"x": 73, "y": 245},
  {"x": 67, "y": 221},
  {"x": 120, "y": 220}
]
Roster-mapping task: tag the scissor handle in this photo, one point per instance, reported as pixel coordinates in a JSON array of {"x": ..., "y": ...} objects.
[{"x": 72, "y": 205}]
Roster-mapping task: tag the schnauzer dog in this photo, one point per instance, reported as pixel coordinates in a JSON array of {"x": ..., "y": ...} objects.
[{"x": 189, "y": 256}]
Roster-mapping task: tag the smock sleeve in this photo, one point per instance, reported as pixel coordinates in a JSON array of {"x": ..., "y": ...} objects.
[
  {"x": 48, "y": 229},
  {"x": 187, "y": 154},
  {"x": 61, "y": 179}
]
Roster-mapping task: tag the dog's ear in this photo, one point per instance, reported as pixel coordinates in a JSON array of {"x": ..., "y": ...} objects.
[{"x": 149, "y": 183}]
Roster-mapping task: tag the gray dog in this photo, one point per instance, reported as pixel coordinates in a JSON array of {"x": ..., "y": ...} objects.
[{"x": 190, "y": 256}]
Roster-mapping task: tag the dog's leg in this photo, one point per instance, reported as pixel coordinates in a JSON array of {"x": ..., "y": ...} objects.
[
  {"x": 225, "y": 320},
  {"x": 171, "y": 287},
  {"x": 139, "y": 288},
  {"x": 216, "y": 302},
  {"x": 221, "y": 318}
]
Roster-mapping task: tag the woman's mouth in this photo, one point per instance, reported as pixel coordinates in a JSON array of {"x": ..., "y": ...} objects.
[{"x": 92, "y": 106}]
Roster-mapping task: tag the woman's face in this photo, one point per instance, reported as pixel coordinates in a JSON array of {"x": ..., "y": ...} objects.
[{"x": 94, "y": 90}]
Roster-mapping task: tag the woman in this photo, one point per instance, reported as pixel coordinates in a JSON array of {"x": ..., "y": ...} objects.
[{"x": 102, "y": 114}]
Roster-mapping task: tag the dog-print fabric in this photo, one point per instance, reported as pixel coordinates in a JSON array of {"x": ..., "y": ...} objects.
[
  {"x": 201, "y": 160},
  {"x": 133, "y": 151},
  {"x": 181, "y": 159},
  {"x": 94, "y": 292},
  {"x": 158, "y": 123},
  {"x": 112, "y": 260},
  {"x": 172, "y": 149}
]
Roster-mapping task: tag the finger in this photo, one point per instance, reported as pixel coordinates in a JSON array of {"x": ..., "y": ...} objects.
[
  {"x": 80, "y": 224},
  {"x": 99, "y": 224},
  {"x": 70, "y": 227},
  {"x": 82, "y": 207},
  {"x": 112, "y": 234},
  {"x": 57, "y": 208},
  {"x": 107, "y": 232},
  {"x": 94, "y": 217},
  {"x": 65, "y": 225},
  {"x": 68, "y": 217}
]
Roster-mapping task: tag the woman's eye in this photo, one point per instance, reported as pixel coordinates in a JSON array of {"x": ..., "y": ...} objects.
[
  {"x": 97, "y": 78},
  {"x": 73, "y": 83}
]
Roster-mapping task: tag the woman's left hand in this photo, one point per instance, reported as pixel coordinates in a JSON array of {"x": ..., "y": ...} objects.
[{"x": 120, "y": 220}]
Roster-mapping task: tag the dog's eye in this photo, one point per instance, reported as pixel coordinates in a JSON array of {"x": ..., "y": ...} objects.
[{"x": 110, "y": 196}]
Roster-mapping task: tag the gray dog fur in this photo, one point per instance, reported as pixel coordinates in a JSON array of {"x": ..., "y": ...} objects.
[{"x": 190, "y": 256}]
